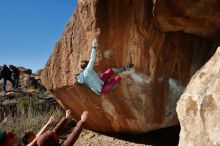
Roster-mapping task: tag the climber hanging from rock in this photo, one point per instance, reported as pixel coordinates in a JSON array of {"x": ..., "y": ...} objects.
[{"x": 103, "y": 83}]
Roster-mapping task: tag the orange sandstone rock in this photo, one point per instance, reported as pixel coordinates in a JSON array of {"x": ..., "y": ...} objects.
[{"x": 146, "y": 98}]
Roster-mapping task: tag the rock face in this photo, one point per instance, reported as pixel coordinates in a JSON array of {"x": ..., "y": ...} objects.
[
  {"x": 199, "y": 17},
  {"x": 163, "y": 64},
  {"x": 199, "y": 107}
]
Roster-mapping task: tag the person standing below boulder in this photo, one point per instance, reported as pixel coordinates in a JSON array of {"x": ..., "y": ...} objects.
[
  {"x": 50, "y": 138},
  {"x": 103, "y": 83},
  {"x": 15, "y": 75},
  {"x": 30, "y": 139},
  {"x": 6, "y": 75}
]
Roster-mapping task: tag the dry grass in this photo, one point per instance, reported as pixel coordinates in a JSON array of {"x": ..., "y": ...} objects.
[{"x": 29, "y": 117}]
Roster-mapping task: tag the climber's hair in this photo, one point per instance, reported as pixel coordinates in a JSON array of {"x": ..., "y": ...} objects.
[
  {"x": 26, "y": 136},
  {"x": 83, "y": 64}
]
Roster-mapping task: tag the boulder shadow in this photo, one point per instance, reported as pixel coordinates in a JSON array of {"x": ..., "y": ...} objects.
[{"x": 163, "y": 137}]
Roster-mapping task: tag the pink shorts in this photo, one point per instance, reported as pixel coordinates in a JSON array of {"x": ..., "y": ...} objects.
[{"x": 109, "y": 84}]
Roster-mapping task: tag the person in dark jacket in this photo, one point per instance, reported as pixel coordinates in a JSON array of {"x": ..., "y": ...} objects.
[
  {"x": 50, "y": 138},
  {"x": 15, "y": 75},
  {"x": 6, "y": 75}
]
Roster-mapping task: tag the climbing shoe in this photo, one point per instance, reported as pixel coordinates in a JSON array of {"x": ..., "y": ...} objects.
[{"x": 128, "y": 67}]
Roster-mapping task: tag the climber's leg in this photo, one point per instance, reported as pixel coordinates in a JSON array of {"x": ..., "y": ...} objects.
[
  {"x": 111, "y": 84},
  {"x": 118, "y": 70},
  {"x": 106, "y": 75},
  {"x": 122, "y": 69}
]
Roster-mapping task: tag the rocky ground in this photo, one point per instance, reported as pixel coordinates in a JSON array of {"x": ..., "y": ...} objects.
[
  {"x": 89, "y": 138},
  {"x": 164, "y": 137}
]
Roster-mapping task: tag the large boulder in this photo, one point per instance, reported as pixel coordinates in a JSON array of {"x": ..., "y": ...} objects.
[
  {"x": 199, "y": 107},
  {"x": 163, "y": 62}
]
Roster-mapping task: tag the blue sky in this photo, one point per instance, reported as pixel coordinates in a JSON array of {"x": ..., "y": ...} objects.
[{"x": 29, "y": 30}]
